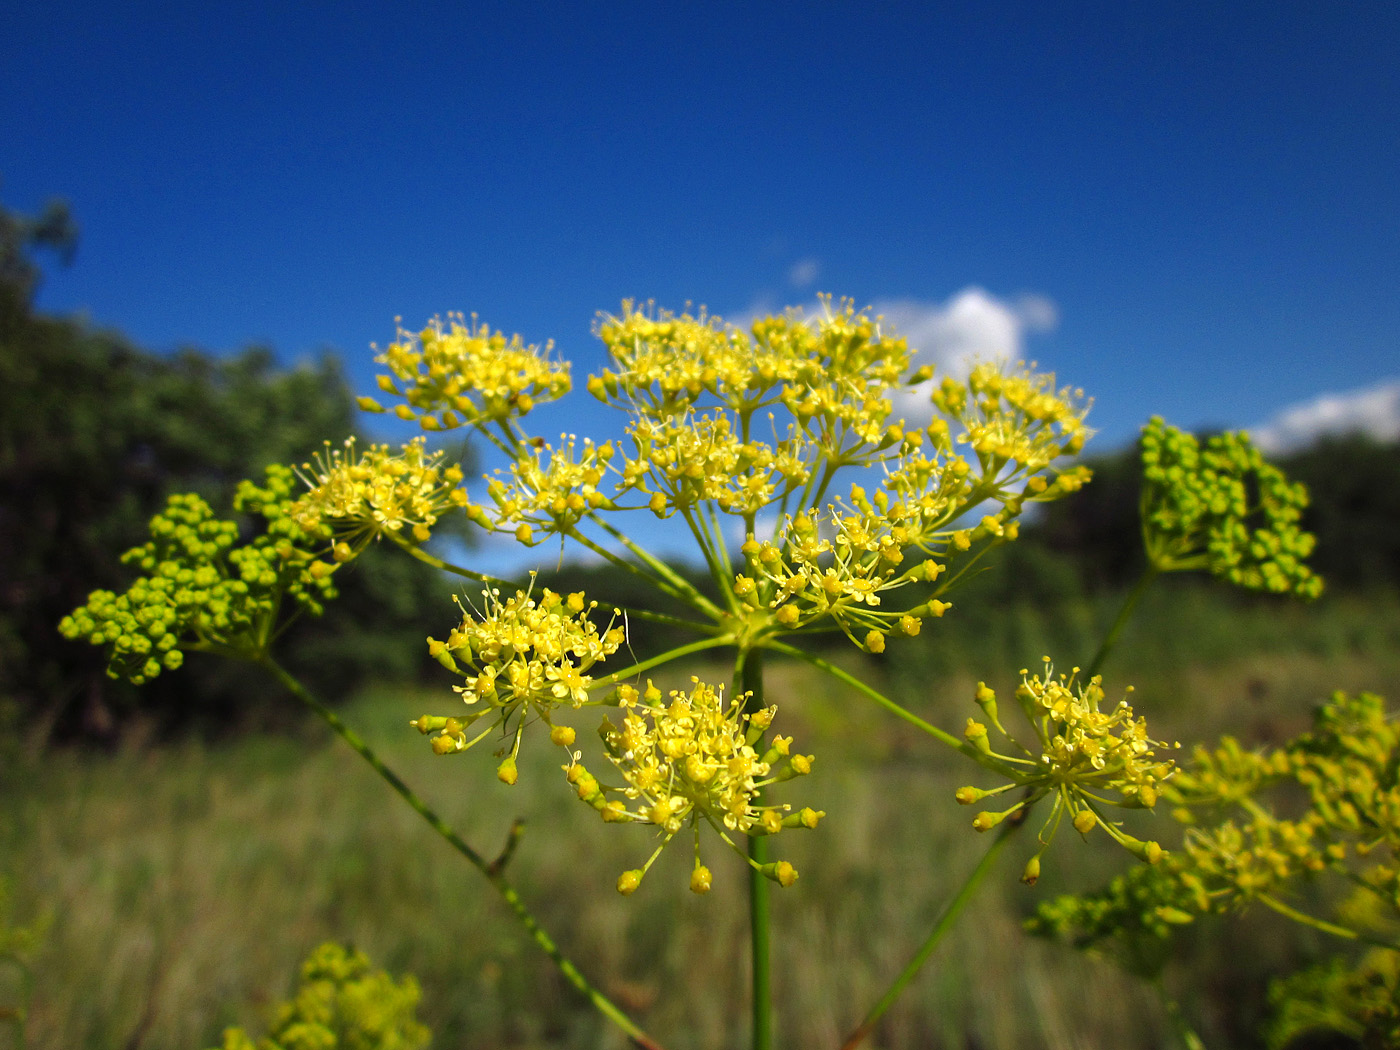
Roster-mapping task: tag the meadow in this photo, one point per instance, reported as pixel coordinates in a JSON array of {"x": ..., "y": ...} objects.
[{"x": 183, "y": 881}]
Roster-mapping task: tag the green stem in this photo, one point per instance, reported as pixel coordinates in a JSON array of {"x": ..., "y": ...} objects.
[
  {"x": 1184, "y": 1031},
  {"x": 750, "y": 674},
  {"x": 641, "y": 614},
  {"x": 945, "y": 922},
  {"x": 889, "y": 705},
  {"x": 446, "y": 566},
  {"x": 658, "y": 566},
  {"x": 493, "y": 871},
  {"x": 666, "y": 657},
  {"x": 1321, "y": 924},
  {"x": 1124, "y": 615},
  {"x": 661, "y": 584}
]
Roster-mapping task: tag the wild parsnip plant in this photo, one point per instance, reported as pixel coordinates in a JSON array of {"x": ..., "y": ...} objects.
[{"x": 830, "y": 484}]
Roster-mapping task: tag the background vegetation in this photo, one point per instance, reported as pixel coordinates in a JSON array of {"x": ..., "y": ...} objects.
[{"x": 186, "y": 874}]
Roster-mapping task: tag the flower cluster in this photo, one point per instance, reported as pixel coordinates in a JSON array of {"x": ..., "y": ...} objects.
[
  {"x": 341, "y": 1002},
  {"x": 551, "y": 488},
  {"x": 1348, "y": 769},
  {"x": 1017, "y": 424},
  {"x": 685, "y": 460},
  {"x": 833, "y": 372},
  {"x": 1346, "y": 765},
  {"x": 1084, "y": 754},
  {"x": 363, "y": 495},
  {"x": 465, "y": 374},
  {"x": 1222, "y": 508},
  {"x": 520, "y": 658},
  {"x": 694, "y": 758},
  {"x": 204, "y": 589}
]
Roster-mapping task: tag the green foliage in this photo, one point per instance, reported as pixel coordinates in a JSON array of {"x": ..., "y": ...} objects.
[
  {"x": 1360, "y": 1002},
  {"x": 341, "y": 1004},
  {"x": 1241, "y": 848}
]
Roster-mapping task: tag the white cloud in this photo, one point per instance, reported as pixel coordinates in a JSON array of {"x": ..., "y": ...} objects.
[
  {"x": 804, "y": 272},
  {"x": 971, "y": 326},
  {"x": 1373, "y": 410}
]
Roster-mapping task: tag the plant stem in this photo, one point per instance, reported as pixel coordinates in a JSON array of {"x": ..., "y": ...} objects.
[
  {"x": 1184, "y": 1031},
  {"x": 695, "y": 598},
  {"x": 750, "y": 675},
  {"x": 641, "y": 614},
  {"x": 1124, "y": 615},
  {"x": 664, "y": 658},
  {"x": 1345, "y": 932},
  {"x": 492, "y": 871},
  {"x": 889, "y": 705},
  {"x": 945, "y": 922}
]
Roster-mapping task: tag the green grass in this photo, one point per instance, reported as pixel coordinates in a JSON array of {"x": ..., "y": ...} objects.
[{"x": 185, "y": 882}]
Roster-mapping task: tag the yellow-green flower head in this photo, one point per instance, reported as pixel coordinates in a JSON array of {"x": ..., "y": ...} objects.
[
  {"x": 1222, "y": 508},
  {"x": 457, "y": 374},
  {"x": 695, "y": 758},
  {"x": 202, "y": 589},
  {"x": 362, "y": 495},
  {"x": 342, "y": 1002},
  {"x": 1348, "y": 767},
  {"x": 697, "y": 457},
  {"x": 832, "y": 372},
  {"x": 1082, "y": 757},
  {"x": 520, "y": 657},
  {"x": 1360, "y": 1001},
  {"x": 551, "y": 488},
  {"x": 1016, "y": 423}
]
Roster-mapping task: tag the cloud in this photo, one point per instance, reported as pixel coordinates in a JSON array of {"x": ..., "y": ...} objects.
[
  {"x": 971, "y": 326},
  {"x": 1373, "y": 411},
  {"x": 804, "y": 272},
  {"x": 953, "y": 336}
]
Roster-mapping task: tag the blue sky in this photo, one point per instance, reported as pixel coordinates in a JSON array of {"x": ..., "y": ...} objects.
[{"x": 1188, "y": 209}]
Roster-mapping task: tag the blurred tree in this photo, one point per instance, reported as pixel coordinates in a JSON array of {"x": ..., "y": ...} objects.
[
  {"x": 1355, "y": 511},
  {"x": 94, "y": 434}
]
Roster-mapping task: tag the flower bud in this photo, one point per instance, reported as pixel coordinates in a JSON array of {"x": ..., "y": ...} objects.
[
  {"x": 700, "y": 879},
  {"x": 1032, "y": 873}
]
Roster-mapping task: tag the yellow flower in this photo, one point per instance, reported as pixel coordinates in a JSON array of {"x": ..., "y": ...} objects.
[
  {"x": 362, "y": 495},
  {"x": 1085, "y": 755},
  {"x": 455, "y": 374},
  {"x": 519, "y": 659},
  {"x": 695, "y": 759}
]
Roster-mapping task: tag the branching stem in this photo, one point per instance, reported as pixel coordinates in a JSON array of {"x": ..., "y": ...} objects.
[{"x": 492, "y": 870}]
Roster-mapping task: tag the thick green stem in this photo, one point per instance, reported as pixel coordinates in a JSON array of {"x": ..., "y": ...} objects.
[
  {"x": 1124, "y": 615},
  {"x": 750, "y": 674},
  {"x": 945, "y": 922},
  {"x": 492, "y": 870}
]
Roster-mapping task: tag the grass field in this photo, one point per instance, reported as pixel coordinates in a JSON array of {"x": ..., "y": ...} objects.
[{"x": 184, "y": 882}]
